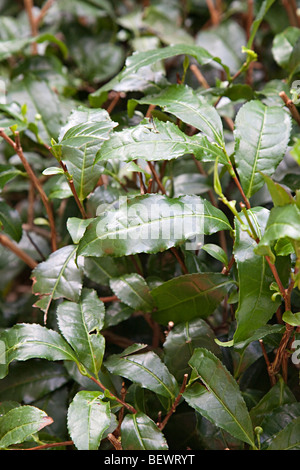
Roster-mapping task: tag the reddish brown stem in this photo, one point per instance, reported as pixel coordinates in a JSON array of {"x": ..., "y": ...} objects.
[
  {"x": 123, "y": 403},
  {"x": 175, "y": 404},
  {"x": 52, "y": 444},
  {"x": 8, "y": 243},
  {"x": 291, "y": 106},
  {"x": 18, "y": 149}
]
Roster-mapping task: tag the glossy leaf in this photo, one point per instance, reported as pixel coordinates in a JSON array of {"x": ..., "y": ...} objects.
[
  {"x": 26, "y": 341},
  {"x": 265, "y": 6},
  {"x": 187, "y": 106},
  {"x": 20, "y": 423},
  {"x": 88, "y": 417},
  {"x": 156, "y": 141},
  {"x": 145, "y": 369},
  {"x": 283, "y": 46},
  {"x": 143, "y": 59},
  {"x": 139, "y": 432},
  {"x": 149, "y": 224},
  {"x": 283, "y": 222},
  {"x": 220, "y": 401},
  {"x": 10, "y": 221},
  {"x": 57, "y": 277},
  {"x": 255, "y": 307},
  {"x": 133, "y": 291},
  {"x": 189, "y": 296},
  {"x": 181, "y": 342},
  {"x": 79, "y": 141},
  {"x": 80, "y": 323},
  {"x": 261, "y": 137},
  {"x": 288, "y": 438}
]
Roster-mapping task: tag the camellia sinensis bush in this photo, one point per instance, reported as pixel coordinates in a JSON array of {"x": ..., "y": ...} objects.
[{"x": 150, "y": 225}]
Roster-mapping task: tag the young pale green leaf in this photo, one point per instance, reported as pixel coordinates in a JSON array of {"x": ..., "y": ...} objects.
[
  {"x": 189, "y": 296},
  {"x": 291, "y": 318},
  {"x": 283, "y": 222},
  {"x": 181, "y": 342},
  {"x": 280, "y": 196},
  {"x": 151, "y": 223},
  {"x": 133, "y": 291},
  {"x": 79, "y": 141},
  {"x": 186, "y": 105},
  {"x": 145, "y": 369},
  {"x": 139, "y": 432},
  {"x": 80, "y": 324},
  {"x": 220, "y": 401},
  {"x": 216, "y": 252},
  {"x": 256, "y": 306},
  {"x": 76, "y": 228},
  {"x": 142, "y": 59},
  {"x": 20, "y": 423},
  {"x": 88, "y": 417},
  {"x": 288, "y": 438},
  {"x": 26, "y": 341},
  {"x": 157, "y": 141},
  {"x": 59, "y": 276},
  {"x": 10, "y": 221},
  {"x": 261, "y": 137}
]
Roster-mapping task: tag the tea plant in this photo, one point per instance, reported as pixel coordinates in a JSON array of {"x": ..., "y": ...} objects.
[{"x": 150, "y": 216}]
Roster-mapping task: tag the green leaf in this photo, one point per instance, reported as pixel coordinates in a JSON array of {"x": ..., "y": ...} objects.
[
  {"x": 145, "y": 58},
  {"x": 80, "y": 323},
  {"x": 76, "y": 228},
  {"x": 149, "y": 224},
  {"x": 283, "y": 222},
  {"x": 10, "y": 221},
  {"x": 181, "y": 342},
  {"x": 156, "y": 141},
  {"x": 133, "y": 291},
  {"x": 265, "y": 6},
  {"x": 139, "y": 432},
  {"x": 288, "y": 438},
  {"x": 47, "y": 106},
  {"x": 13, "y": 46},
  {"x": 7, "y": 173},
  {"x": 216, "y": 252},
  {"x": 291, "y": 318},
  {"x": 189, "y": 296},
  {"x": 57, "y": 277},
  {"x": 145, "y": 369},
  {"x": 79, "y": 141},
  {"x": 32, "y": 380},
  {"x": 256, "y": 306},
  {"x": 26, "y": 341},
  {"x": 261, "y": 137},
  {"x": 88, "y": 417},
  {"x": 186, "y": 105},
  {"x": 220, "y": 401},
  {"x": 20, "y": 423},
  {"x": 283, "y": 46},
  {"x": 279, "y": 395},
  {"x": 279, "y": 194}
]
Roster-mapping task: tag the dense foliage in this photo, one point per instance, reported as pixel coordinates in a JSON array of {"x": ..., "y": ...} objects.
[{"x": 150, "y": 216}]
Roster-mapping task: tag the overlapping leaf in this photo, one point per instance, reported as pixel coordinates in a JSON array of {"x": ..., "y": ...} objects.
[
  {"x": 151, "y": 223},
  {"x": 139, "y": 432},
  {"x": 261, "y": 137}
]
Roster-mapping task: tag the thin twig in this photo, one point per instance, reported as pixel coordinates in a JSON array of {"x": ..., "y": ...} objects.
[
  {"x": 180, "y": 260},
  {"x": 269, "y": 368},
  {"x": 18, "y": 149},
  {"x": 201, "y": 79},
  {"x": 52, "y": 444},
  {"x": 214, "y": 14},
  {"x": 123, "y": 403},
  {"x": 43, "y": 12},
  {"x": 8, "y": 243},
  {"x": 33, "y": 24},
  {"x": 114, "y": 441},
  {"x": 291, "y": 106},
  {"x": 74, "y": 192},
  {"x": 175, "y": 404},
  {"x": 156, "y": 177}
]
